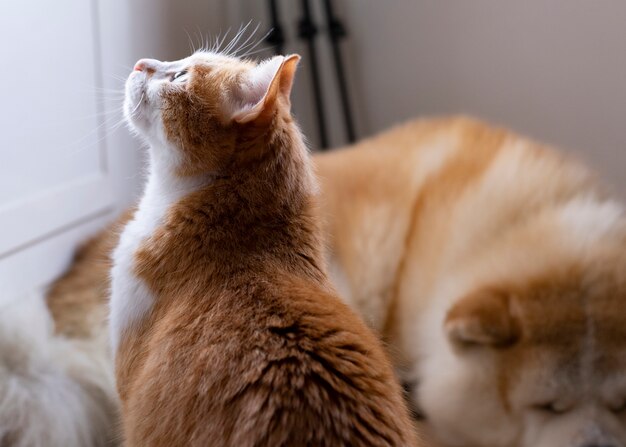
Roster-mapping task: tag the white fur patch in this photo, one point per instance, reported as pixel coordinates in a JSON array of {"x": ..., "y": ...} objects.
[
  {"x": 130, "y": 297},
  {"x": 587, "y": 219},
  {"x": 53, "y": 391}
]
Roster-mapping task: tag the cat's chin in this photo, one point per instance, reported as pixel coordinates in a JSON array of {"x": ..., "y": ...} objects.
[
  {"x": 135, "y": 103},
  {"x": 138, "y": 124},
  {"x": 139, "y": 119}
]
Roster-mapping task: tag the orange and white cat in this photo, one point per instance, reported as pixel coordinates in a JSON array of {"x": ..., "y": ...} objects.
[{"x": 225, "y": 328}]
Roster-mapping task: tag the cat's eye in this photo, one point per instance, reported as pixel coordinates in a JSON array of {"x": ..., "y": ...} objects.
[
  {"x": 553, "y": 408},
  {"x": 178, "y": 74}
]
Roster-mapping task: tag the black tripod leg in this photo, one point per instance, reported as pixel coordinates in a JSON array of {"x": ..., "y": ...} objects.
[
  {"x": 337, "y": 32},
  {"x": 276, "y": 37},
  {"x": 307, "y": 31}
]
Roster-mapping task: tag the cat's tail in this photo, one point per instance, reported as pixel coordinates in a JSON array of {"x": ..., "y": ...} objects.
[{"x": 53, "y": 391}]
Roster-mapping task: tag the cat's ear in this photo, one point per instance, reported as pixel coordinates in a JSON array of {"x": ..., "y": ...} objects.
[
  {"x": 262, "y": 88},
  {"x": 486, "y": 318}
]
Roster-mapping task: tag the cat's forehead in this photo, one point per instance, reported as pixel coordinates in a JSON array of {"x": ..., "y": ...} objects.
[{"x": 212, "y": 60}]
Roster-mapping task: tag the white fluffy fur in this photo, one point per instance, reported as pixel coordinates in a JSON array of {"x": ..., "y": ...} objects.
[{"x": 53, "y": 392}]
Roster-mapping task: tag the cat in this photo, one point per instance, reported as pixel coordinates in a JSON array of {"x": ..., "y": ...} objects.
[{"x": 224, "y": 325}]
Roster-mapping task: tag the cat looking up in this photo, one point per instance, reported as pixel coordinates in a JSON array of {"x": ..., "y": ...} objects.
[{"x": 225, "y": 328}]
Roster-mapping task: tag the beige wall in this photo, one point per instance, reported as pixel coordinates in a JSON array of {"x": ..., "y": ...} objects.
[{"x": 554, "y": 70}]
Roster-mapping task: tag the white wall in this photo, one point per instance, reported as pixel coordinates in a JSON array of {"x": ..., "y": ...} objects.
[{"x": 554, "y": 70}]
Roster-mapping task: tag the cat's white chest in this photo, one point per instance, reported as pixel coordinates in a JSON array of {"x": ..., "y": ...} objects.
[{"x": 131, "y": 298}]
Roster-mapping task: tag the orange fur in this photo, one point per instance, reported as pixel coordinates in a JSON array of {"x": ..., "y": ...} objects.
[{"x": 247, "y": 344}]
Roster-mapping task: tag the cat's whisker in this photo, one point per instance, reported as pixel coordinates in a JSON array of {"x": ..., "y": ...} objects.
[
  {"x": 213, "y": 43},
  {"x": 109, "y": 96},
  {"x": 192, "y": 47},
  {"x": 200, "y": 36},
  {"x": 207, "y": 40},
  {"x": 230, "y": 43},
  {"x": 125, "y": 67},
  {"x": 250, "y": 50},
  {"x": 108, "y": 117},
  {"x": 245, "y": 42},
  {"x": 219, "y": 41},
  {"x": 203, "y": 40},
  {"x": 110, "y": 130},
  {"x": 110, "y": 102},
  {"x": 223, "y": 40},
  {"x": 103, "y": 114},
  {"x": 117, "y": 78},
  {"x": 104, "y": 89},
  {"x": 106, "y": 122},
  {"x": 236, "y": 39},
  {"x": 132, "y": 112},
  {"x": 101, "y": 91},
  {"x": 259, "y": 50}
]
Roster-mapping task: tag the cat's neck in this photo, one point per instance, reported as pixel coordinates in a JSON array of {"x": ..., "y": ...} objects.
[
  {"x": 258, "y": 215},
  {"x": 163, "y": 182}
]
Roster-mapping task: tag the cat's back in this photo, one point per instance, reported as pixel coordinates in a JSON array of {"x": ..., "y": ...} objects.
[{"x": 276, "y": 363}]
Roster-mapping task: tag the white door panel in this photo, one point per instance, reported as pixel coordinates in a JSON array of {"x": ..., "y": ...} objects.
[
  {"x": 32, "y": 267},
  {"x": 51, "y": 106},
  {"x": 53, "y": 174}
]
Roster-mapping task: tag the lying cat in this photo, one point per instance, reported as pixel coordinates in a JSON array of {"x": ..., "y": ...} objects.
[{"x": 225, "y": 328}]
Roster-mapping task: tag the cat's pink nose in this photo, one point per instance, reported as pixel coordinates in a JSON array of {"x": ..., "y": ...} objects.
[{"x": 147, "y": 65}]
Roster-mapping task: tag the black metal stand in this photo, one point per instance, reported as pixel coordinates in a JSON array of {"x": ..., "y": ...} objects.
[
  {"x": 307, "y": 31},
  {"x": 275, "y": 37},
  {"x": 337, "y": 32}
]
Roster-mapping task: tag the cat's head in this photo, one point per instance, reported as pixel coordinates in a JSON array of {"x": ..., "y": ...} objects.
[{"x": 194, "y": 111}]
